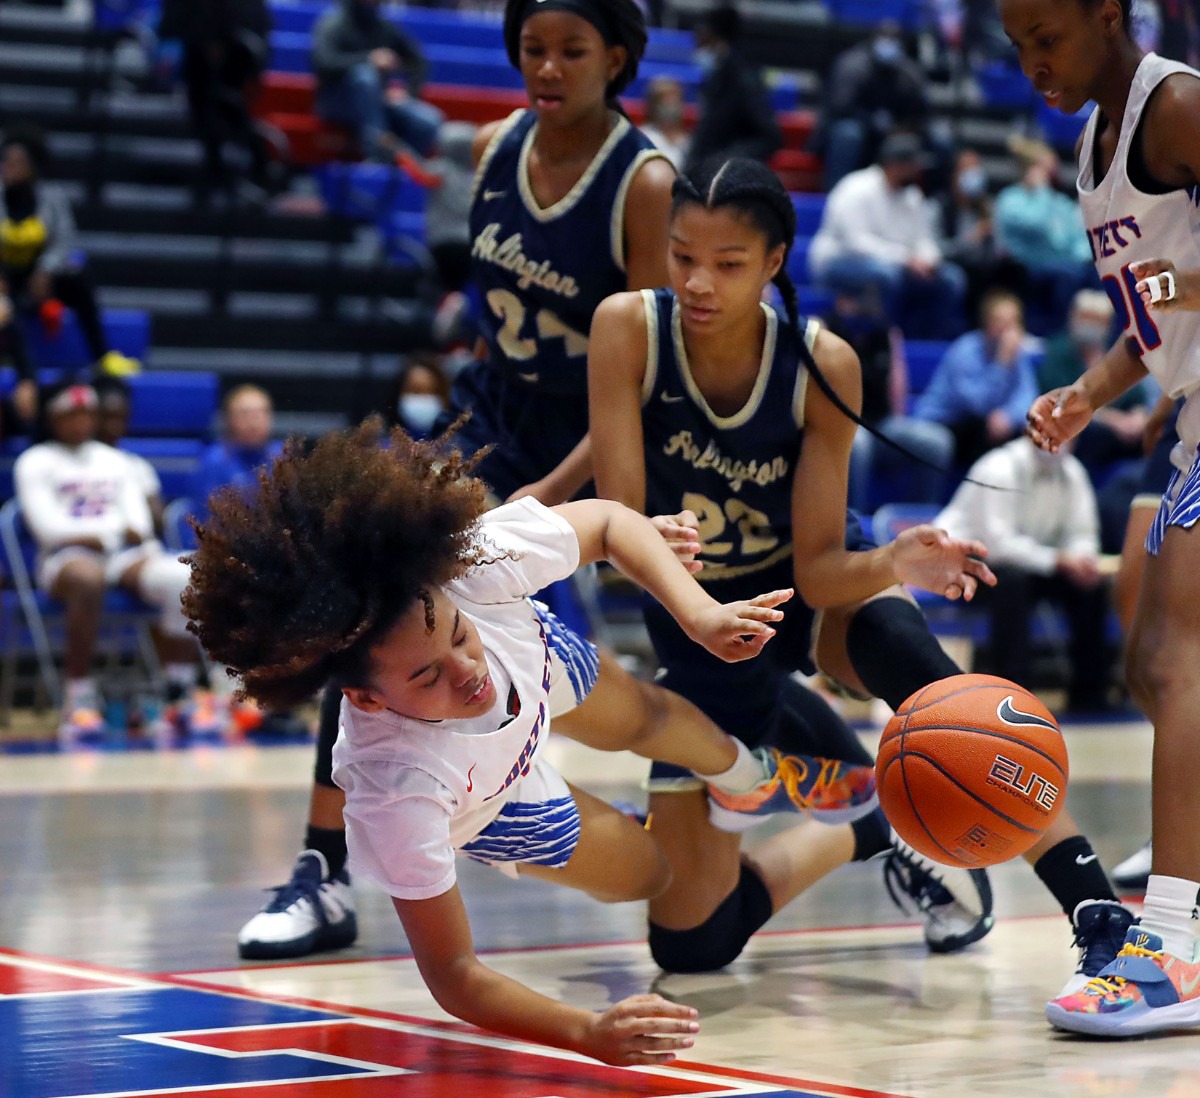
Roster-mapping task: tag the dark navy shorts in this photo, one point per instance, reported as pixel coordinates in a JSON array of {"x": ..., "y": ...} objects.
[
  {"x": 757, "y": 700},
  {"x": 531, "y": 431}
]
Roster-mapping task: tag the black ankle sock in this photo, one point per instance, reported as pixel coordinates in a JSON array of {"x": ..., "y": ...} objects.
[
  {"x": 329, "y": 841},
  {"x": 893, "y": 651},
  {"x": 1073, "y": 873},
  {"x": 872, "y": 835}
]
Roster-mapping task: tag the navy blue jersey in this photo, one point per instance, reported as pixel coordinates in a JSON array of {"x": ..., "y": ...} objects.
[
  {"x": 542, "y": 272},
  {"x": 735, "y": 472}
]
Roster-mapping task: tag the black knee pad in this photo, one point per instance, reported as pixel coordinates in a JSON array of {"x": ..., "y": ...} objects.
[
  {"x": 721, "y": 937},
  {"x": 327, "y": 733}
]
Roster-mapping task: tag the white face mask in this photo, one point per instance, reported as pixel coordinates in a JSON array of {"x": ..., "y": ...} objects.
[
  {"x": 419, "y": 411},
  {"x": 705, "y": 59},
  {"x": 887, "y": 50}
]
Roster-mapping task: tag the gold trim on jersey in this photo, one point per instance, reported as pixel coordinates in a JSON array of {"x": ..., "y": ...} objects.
[
  {"x": 650, "y": 305},
  {"x": 811, "y": 330},
  {"x": 568, "y": 201},
  {"x": 616, "y": 224},
  {"x": 743, "y": 414}
]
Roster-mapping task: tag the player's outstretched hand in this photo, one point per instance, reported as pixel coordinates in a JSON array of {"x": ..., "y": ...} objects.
[
  {"x": 1057, "y": 416},
  {"x": 736, "y": 631},
  {"x": 931, "y": 559},
  {"x": 643, "y": 1029},
  {"x": 681, "y": 534}
]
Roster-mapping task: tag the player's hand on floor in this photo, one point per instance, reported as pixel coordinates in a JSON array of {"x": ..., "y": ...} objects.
[
  {"x": 736, "y": 631},
  {"x": 643, "y": 1029},
  {"x": 680, "y": 533},
  {"x": 931, "y": 559},
  {"x": 1057, "y": 416}
]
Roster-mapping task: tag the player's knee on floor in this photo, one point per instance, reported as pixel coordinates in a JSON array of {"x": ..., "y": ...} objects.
[{"x": 720, "y": 939}]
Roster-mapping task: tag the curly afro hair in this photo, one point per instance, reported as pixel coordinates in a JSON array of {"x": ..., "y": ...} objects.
[{"x": 296, "y": 579}]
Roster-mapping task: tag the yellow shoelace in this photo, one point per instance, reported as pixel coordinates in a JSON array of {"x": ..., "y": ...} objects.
[{"x": 1115, "y": 984}]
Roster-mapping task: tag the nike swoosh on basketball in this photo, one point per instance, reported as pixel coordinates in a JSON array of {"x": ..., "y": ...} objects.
[
  {"x": 667, "y": 398},
  {"x": 470, "y": 784},
  {"x": 489, "y": 195},
  {"x": 1009, "y": 714},
  {"x": 1083, "y": 859}
]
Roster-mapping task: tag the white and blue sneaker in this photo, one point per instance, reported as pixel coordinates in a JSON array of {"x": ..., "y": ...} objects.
[
  {"x": 954, "y": 904},
  {"x": 311, "y": 913}
]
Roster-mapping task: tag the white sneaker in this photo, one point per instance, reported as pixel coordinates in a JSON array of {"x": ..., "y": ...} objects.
[
  {"x": 312, "y": 912},
  {"x": 1134, "y": 872},
  {"x": 955, "y": 904}
]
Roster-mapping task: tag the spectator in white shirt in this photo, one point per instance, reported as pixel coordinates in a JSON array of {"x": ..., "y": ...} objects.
[
  {"x": 89, "y": 516},
  {"x": 1037, "y": 514},
  {"x": 877, "y": 235}
]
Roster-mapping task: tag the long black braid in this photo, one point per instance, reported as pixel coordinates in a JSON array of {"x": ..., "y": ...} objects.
[
  {"x": 620, "y": 23},
  {"x": 751, "y": 188}
]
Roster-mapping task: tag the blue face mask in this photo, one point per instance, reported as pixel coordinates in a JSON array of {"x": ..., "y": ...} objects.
[
  {"x": 972, "y": 182},
  {"x": 705, "y": 59},
  {"x": 419, "y": 411},
  {"x": 887, "y": 50}
]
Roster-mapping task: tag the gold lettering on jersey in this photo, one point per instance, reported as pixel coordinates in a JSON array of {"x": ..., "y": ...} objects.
[
  {"x": 507, "y": 253},
  {"x": 736, "y": 472}
]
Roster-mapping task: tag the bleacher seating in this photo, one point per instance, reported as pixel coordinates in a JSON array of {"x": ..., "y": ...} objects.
[{"x": 128, "y": 331}]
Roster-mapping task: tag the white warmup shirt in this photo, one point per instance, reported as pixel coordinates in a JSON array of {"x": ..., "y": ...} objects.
[
  {"x": 1126, "y": 225},
  {"x": 418, "y": 790},
  {"x": 82, "y": 492}
]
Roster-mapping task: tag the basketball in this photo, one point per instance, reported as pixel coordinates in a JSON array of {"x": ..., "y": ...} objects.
[{"x": 972, "y": 770}]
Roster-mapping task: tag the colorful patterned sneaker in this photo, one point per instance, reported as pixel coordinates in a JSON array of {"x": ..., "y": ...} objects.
[
  {"x": 81, "y": 726},
  {"x": 833, "y": 792},
  {"x": 955, "y": 904},
  {"x": 1143, "y": 991},
  {"x": 202, "y": 718},
  {"x": 312, "y": 912},
  {"x": 1100, "y": 929}
]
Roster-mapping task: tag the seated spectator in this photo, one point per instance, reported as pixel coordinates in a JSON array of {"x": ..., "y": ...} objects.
[
  {"x": 224, "y": 51},
  {"x": 1042, "y": 534},
  {"x": 1115, "y": 431},
  {"x": 966, "y": 232},
  {"x": 369, "y": 74},
  {"x": 246, "y": 415},
  {"x": 885, "y": 408},
  {"x": 419, "y": 393},
  {"x": 985, "y": 382},
  {"x": 38, "y": 270},
  {"x": 877, "y": 235},
  {"x": 450, "y": 176},
  {"x": 1042, "y": 229},
  {"x": 112, "y": 423},
  {"x": 873, "y": 89},
  {"x": 664, "y": 123},
  {"x": 89, "y": 517},
  {"x": 735, "y": 117}
]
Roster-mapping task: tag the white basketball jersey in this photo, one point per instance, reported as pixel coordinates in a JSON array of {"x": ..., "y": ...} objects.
[{"x": 1125, "y": 225}]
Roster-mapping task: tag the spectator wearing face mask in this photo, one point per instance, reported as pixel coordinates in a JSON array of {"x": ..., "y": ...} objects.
[
  {"x": 736, "y": 117},
  {"x": 873, "y": 89},
  {"x": 420, "y": 392},
  {"x": 966, "y": 231},
  {"x": 1116, "y": 430},
  {"x": 664, "y": 123}
]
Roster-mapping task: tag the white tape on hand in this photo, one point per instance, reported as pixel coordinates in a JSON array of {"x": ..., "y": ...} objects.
[{"x": 1161, "y": 286}]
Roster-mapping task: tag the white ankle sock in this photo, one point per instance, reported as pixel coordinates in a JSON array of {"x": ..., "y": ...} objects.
[
  {"x": 1170, "y": 912},
  {"x": 181, "y": 675},
  {"x": 746, "y": 772}
]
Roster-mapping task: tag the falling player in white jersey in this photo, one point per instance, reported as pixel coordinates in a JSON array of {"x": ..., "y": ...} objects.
[{"x": 1139, "y": 190}]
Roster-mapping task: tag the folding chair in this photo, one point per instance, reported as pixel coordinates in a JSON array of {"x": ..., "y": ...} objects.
[{"x": 34, "y": 622}]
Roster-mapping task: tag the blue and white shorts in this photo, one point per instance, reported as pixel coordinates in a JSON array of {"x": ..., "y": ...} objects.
[
  {"x": 539, "y": 823},
  {"x": 1180, "y": 505}
]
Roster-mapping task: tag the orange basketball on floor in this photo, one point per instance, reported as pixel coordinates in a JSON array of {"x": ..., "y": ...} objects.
[{"x": 972, "y": 770}]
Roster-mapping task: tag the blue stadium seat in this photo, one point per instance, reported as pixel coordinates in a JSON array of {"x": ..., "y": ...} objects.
[
  {"x": 922, "y": 356},
  {"x": 1004, "y": 85},
  {"x": 809, "y": 210},
  {"x": 128, "y": 331},
  {"x": 173, "y": 403},
  {"x": 797, "y": 265},
  {"x": 868, "y": 13}
]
